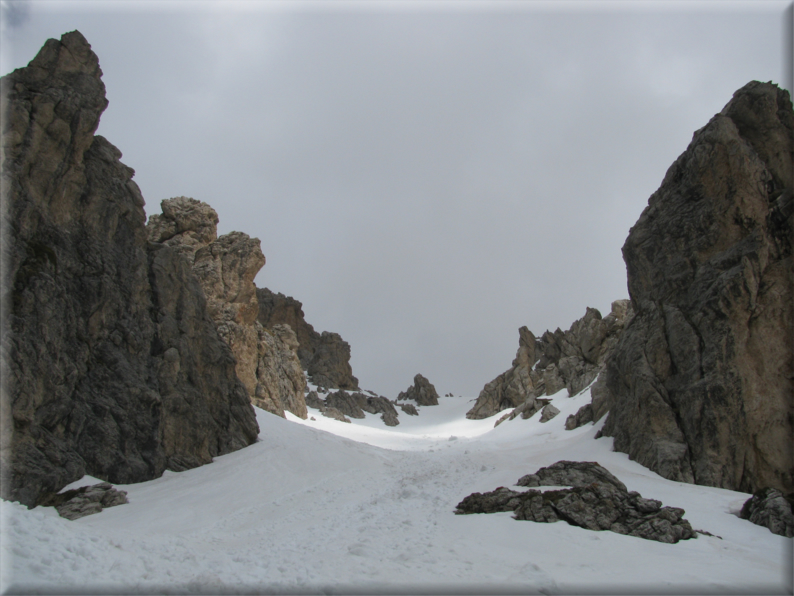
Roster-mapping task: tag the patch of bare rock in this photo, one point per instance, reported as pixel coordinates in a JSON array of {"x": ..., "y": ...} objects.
[
  {"x": 266, "y": 358},
  {"x": 409, "y": 409},
  {"x": 422, "y": 392},
  {"x": 111, "y": 364},
  {"x": 597, "y": 501},
  {"x": 324, "y": 356},
  {"x": 87, "y": 500},
  {"x": 699, "y": 386},
  {"x": 571, "y": 473},
  {"x": 772, "y": 509},
  {"x": 341, "y": 404},
  {"x": 560, "y": 360}
]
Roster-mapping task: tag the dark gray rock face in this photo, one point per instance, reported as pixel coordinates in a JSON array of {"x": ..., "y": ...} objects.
[
  {"x": 409, "y": 409},
  {"x": 380, "y": 405},
  {"x": 527, "y": 410},
  {"x": 571, "y": 473},
  {"x": 313, "y": 401},
  {"x": 770, "y": 508},
  {"x": 548, "y": 412},
  {"x": 74, "y": 504},
  {"x": 353, "y": 405},
  {"x": 560, "y": 360},
  {"x": 110, "y": 363},
  {"x": 700, "y": 384},
  {"x": 422, "y": 392},
  {"x": 604, "y": 507},
  {"x": 324, "y": 356},
  {"x": 601, "y": 504},
  {"x": 599, "y": 396},
  {"x": 583, "y": 416},
  {"x": 513, "y": 387},
  {"x": 331, "y": 412},
  {"x": 350, "y": 404},
  {"x": 266, "y": 359},
  {"x": 277, "y": 309},
  {"x": 501, "y": 499},
  {"x": 390, "y": 418},
  {"x": 330, "y": 363}
]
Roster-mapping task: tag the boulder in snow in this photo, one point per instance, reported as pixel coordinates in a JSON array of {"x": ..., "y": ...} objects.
[
  {"x": 571, "y": 473},
  {"x": 597, "y": 501},
  {"x": 87, "y": 500},
  {"x": 770, "y": 508}
]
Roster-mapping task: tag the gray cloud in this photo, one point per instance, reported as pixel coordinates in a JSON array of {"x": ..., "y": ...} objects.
[
  {"x": 14, "y": 13},
  {"x": 426, "y": 181}
]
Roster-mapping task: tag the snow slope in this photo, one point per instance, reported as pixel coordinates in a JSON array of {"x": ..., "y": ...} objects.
[{"x": 321, "y": 506}]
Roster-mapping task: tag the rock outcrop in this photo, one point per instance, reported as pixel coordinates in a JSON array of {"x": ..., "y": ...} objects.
[
  {"x": 422, "y": 392},
  {"x": 329, "y": 364},
  {"x": 603, "y": 504},
  {"x": 313, "y": 401},
  {"x": 571, "y": 473},
  {"x": 526, "y": 410},
  {"x": 700, "y": 384},
  {"x": 409, "y": 409},
  {"x": 604, "y": 507},
  {"x": 331, "y": 412},
  {"x": 355, "y": 404},
  {"x": 280, "y": 379},
  {"x": 339, "y": 404},
  {"x": 111, "y": 365},
  {"x": 548, "y": 412},
  {"x": 553, "y": 362},
  {"x": 324, "y": 356},
  {"x": 266, "y": 359},
  {"x": 770, "y": 508},
  {"x": 378, "y": 404},
  {"x": 347, "y": 403},
  {"x": 87, "y": 500}
]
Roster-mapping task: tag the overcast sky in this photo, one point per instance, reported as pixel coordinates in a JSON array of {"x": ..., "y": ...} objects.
[{"x": 425, "y": 178}]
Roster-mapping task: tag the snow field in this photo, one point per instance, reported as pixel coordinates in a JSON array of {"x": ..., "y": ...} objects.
[{"x": 324, "y": 506}]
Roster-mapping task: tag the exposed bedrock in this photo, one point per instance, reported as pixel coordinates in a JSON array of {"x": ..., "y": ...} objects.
[
  {"x": 354, "y": 405},
  {"x": 324, "y": 356},
  {"x": 266, "y": 359},
  {"x": 422, "y": 392},
  {"x": 560, "y": 360},
  {"x": 110, "y": 364},
  {"x": 700, "y": 384},
  {"x": 597, "y": 501},
  {"x": 772, "y": 509}
]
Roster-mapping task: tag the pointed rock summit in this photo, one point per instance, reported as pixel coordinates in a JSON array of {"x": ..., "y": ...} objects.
[
  {"x": 111, "y": 365},
  {"x": 266, "y": 359},
  {"x": 422, "y": 392},
  {"x": 700, "y": 383}
]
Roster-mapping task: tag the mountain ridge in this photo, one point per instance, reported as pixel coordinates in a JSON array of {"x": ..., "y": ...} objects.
[{"x": 157, "y": 341}]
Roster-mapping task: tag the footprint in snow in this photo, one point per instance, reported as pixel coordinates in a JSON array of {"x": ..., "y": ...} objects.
[{"x": 358, "y": 550}]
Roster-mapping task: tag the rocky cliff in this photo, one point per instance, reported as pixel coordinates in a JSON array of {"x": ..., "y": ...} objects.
[
  {"x": 324, "y": 356},
  {"x": 700, "y": 383},
  {"x": 266, "y": 359},
  {"x": 111, "y": 364},
  {"x": 555, "y": 361}
]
